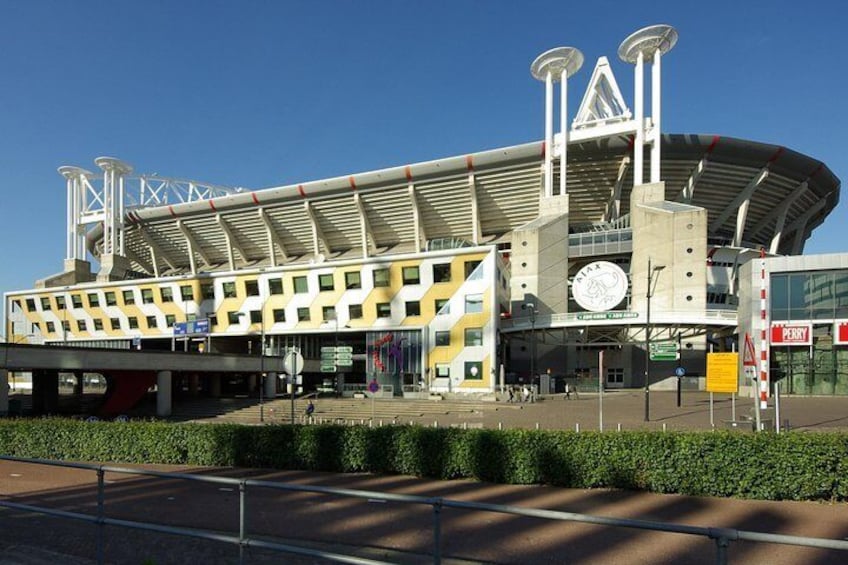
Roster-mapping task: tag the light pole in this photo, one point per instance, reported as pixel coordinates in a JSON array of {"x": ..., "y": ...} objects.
[
  {"x": 532, "y": 307},
  {"x": 648, "y": 294},
  {"x": 261, "y": 359}
]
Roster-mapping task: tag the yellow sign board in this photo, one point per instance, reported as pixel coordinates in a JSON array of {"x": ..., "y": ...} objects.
[{"x": 722, "y": 372}]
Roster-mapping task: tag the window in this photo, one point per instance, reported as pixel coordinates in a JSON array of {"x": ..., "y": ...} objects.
[
  {"x": 275, "y": 286},
  {"x": 470, "y": 267},
  {"x": 442, "y": 338},
  {"x": 51, "y": 327},
  {"x": 442, "y": 370},
  {"x": 413, "y": 308},
  {"x": 170, "y": 320},
  {"x": 60, "y": 303},
  {"x": 213, "y": 319},
  {"x": 303, "y": 314},
  {"x": 615, "y": 376},
  {"x": 473, "y": 303},
  {"x": 129, "y": 297},
  {"x": 167, "y": 294},
  {"x": 187, "y": 292},
  {"x": 207, "y": 291},
  {"x": 151, "y": 322},
  {"x": 442, "y": 272},
  {"x": 114, "y": 323},
  {"x": 354, "y": 311},
  {"x": 111, "y": 300},
  {"x": 133, "y": 322},
  {"x": 411, "y": 275},
  {"x": 301, "y": 285},
  {"x": 82, "y": 325},
  {"x": 233, "y": 317},
  {"x": 93, "y": 300},
  {"x": 229, "y": 289},
  {"x": 251, "y": 288},
  {"x": 30, "y": 304},
  {"x": 76, "y": 300},
  {"x": 45, "y": 304},
  {"x": 384, "y": 310},
  {"x": 256, "y": 317},
  {"x": 381, "y": 277},
  {"x": 328, "y": 313},
  {"x": 325, "y": 282},
  {"x": 473, "y": 336},
  {"x": 279, "y": 315},
  {"x": 474, "y": 370},
  {"x": 98, "y": 325},
  {"x": 353, "y": 279},
  {"x": 442, "y": 306},
  {"x": 147, "y": 296}
]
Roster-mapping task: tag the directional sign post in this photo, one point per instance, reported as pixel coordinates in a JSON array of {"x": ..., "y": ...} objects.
[{"x": 665, "y": 351}]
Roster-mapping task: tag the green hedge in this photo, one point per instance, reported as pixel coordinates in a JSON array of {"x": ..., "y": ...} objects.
[{"x": 791, "y": 466}]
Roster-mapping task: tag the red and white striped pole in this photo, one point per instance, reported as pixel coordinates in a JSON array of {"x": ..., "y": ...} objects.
[{"x": 764, "y": 380}]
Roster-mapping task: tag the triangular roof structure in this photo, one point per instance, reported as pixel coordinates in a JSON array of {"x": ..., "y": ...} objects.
[{"x": 602, "y": 103}]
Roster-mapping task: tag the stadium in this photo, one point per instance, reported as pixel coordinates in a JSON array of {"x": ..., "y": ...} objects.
[{"x": 462, "y": 275}]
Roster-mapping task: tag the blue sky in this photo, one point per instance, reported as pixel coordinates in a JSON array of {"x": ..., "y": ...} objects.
[{"x": 259, "y": 94}]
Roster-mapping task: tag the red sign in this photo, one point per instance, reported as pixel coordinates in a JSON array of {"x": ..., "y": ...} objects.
[
  {"x": 841, "y": 332},
  {"x": 791, "y": 333}
]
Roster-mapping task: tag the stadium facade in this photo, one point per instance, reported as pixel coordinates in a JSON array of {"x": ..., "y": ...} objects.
[{"x": 461, "y": 274}]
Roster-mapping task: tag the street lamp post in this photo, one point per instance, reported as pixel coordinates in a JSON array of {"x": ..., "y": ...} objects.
[
  {"x": 532, "y": 307},
  {"x": 261, "y": 360},
  {"x": 648, "y": 294}
]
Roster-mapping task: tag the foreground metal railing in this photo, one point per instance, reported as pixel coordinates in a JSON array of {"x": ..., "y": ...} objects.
[{"x": 720, "y": 536}]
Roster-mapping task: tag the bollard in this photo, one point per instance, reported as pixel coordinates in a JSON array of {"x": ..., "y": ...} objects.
[
  {"x": 500, "y": 425},
  {"x": 577, "y": 427},
  {"x": 618, "y": 427},
  {"x": 537, "y": 425},
  {"x": 663, "y": 426},
  {"x": 465, "y": 425},
  {"x": 436, "y": 424}
]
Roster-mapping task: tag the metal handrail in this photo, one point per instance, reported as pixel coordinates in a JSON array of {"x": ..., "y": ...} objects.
[{"x": 721, "y": 536}]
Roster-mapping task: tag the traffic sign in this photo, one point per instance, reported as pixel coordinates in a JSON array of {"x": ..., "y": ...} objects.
[
  {"x": 665, "y": 356},
  {"x": 664, "y": 346},
  {"x": 327, "y": 367},
  {"x": 293, "y": 363},
  {"x": 373, "y": 386},
  {"x": 680, "y": 371}
]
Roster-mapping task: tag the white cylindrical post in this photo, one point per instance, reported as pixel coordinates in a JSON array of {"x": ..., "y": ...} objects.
[
  {"x": 656, "y": 97},
  {"x": 639, "y": 109},
  {"x": 70, "y": 247},
  {"x": 563, "y": 132},
  {"x": 549, "y": 133},
  {"x": 163, "y": 394},
  {"x": 271, "y": 385}
]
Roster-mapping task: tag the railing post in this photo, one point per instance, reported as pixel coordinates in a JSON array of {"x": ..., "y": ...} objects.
[
  {"x": 101, "y": 496},
  {"x": 437, "y": 531},
  {"x": 242, "y": 532},
  {"x": 721, "y": 550}
]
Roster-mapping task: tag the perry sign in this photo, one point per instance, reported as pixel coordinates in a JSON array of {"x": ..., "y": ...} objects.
[
  {"x": 840, "y": 332},
  {"x": 792, "y": 333}
]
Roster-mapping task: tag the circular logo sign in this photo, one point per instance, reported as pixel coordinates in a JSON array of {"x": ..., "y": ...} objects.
[{"x": 599, "y": 286}]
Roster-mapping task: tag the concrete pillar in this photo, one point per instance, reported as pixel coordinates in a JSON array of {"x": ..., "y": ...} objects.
[
  {"x": 193, "y": 384},
  {"x": 163, "y": 394},
  {"x": 215, "y": 385},
  {"x": 4, "y": 392},
  {"x": 251, "y": 384},
  {"x": 271, "y": 385}
]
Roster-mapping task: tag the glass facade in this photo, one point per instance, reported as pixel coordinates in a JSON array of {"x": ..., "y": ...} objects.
[{"x": 820, "y": 297}]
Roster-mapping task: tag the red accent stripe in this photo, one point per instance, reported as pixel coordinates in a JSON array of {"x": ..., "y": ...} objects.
[
  {"x": 631, "y": 142},
  {"x": 762, "y": 315},
  {"x": 776, "y": 155},
  {"x": 171, "y": 210},
  {"x": 255, "y": 199},
  {"x": 408, "y": 171},
  {"x": 543, "y": 150},
  {"x": 713, "y": 144},
  {"x": 817, "y": 171},
  {"x": 212, "y": 204},
  {"x": 301, "y": 191},
  {"x": 352, "y": 182},
  {"x": 469, "y": 162},
  {"x": 763, "y": 293},
  {"x": 763, "y": 355}
]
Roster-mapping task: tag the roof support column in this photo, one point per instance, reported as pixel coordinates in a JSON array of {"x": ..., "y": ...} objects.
[
  {"x": 656, "y": 97},
  {"x": 639, "y": 111},
  {"x": 420, "y": 236}
]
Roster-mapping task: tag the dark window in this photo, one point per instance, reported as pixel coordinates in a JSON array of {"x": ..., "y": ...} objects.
[
  {"x": 167, "y": 294},
  {"x": 411, "y": 275},
  {"x": 384, "y": 310},
  {"x": 111, "y": 300},
  {"x": 30, "y": 304},
  {"x": 442, "y": 370},
  {"x": 442, "y": 306},
  {"x": 413, "y": 308},
  {"x": 275, "y": 286},
  {"x": 76, "y": 300},
  {"x": 279, "y": 315},
  {"x": 93, "y": 300},
  {"x": 233, "y": 317},
  {"x": 114, "y": 323},
  {"x": 51, "y": 327},
  {"x": 328, "y": 313},
  {"x": 98, "y": 325},
  {"x": 442, "y": 338},
  {"x": 229, "y": 289},
  {"x": 129, "y": 297},
  {"x": 151, "y": 322},
  {"x": 170, "y": 320},
  {"x": 325, "y": 282},
  {"x": 133, "y": 322},
  {"x": 303, "y": 314},
  {"x": 187, "y": 292},
  {"x": 354, "y": 311},
  {"x": 442, "y": 272},
  {"x": 301, "y": 285},
  {"x": 473, "y": 336},
  {"x": 256, "y": 317},
  {"x": 207, "y": 291},
  {"x": 381, "y": 277},
  {"x": 470, "y": 267},
  {"x": 60, "y": 303},
  {"x": 45, "y": 304},
  {"x": 82, "y": 325},
  {"x": 251, "y": 288},
  {"x": 147, "y": 296},
  {"x": 353, "y": 279}
]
